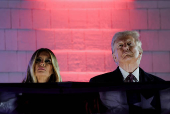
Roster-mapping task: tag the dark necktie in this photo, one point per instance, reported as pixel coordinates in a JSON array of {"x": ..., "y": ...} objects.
[{"x": 131, "y": 78}]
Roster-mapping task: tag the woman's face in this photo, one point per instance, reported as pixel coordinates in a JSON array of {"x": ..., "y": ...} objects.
[{"x": 43, "y": 67}]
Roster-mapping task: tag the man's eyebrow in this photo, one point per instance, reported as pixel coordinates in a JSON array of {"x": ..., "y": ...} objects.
[
  {"x": 119, "y": 42},
  {"x": 128, "y": 40}
]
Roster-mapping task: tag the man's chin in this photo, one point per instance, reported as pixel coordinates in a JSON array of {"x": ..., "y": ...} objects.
[{"x": 127, "y": 57}]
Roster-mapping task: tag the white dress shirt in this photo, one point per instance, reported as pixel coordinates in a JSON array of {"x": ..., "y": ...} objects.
[{"x": 125, "y": 74}]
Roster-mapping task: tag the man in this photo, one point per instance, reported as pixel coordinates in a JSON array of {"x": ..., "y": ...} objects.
[{"x": 127, "y": 53}]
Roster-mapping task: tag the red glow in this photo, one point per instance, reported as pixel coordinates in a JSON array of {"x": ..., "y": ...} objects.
[{"x": 79, "y": 32}]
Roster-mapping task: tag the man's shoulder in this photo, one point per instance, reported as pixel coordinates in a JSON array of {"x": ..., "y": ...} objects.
[
  {"x": 150, "y": 77},
  {"x": 102, "y": 77},
  {"x": 156, "y": 78},
  {"x": 108, "y": 77}
]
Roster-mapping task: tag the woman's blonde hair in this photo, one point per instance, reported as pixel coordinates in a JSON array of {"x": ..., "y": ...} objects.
[{"x": 30, "y": 75}]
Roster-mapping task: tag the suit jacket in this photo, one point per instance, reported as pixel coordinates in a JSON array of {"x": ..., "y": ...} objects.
[
  {"x": 116, "y": 77},
  {"x": 133, "y": 97}
]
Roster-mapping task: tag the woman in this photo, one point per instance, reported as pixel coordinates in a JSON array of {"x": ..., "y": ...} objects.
[{"x": 43, "y": 67}]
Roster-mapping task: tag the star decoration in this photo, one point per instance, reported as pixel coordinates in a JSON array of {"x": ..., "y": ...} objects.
[{"x": 145, "y": 103}]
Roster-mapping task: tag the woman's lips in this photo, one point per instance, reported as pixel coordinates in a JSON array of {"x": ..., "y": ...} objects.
[{"x": 41, "y": 68}]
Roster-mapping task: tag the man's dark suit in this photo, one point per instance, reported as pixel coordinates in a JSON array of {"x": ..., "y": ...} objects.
[
  {"x": 116, "y": 77},
  {"x": 133, "y": 97}
]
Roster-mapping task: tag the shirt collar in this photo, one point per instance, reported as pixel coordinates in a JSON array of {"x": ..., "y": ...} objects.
[{"x": 125, "y": 74}]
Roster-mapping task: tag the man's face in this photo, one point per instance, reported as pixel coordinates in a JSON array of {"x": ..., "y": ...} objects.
[{"x": 126, "y": 50}]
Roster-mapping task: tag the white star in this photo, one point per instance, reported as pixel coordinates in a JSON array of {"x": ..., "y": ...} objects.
[{"x": 145, "y": 103}]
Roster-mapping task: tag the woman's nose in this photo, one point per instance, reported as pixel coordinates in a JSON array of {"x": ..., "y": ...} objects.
[{"x": 42, "y": 63}]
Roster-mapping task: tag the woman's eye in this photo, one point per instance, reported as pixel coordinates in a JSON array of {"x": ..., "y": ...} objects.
[
  {"x": 128, "y": 43},
  {"x": 38, "y": 60},
  {"x": 48, "y": 61}
]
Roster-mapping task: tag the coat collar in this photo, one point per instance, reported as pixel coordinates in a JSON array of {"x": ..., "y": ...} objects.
[{"x": 143, "y": 76}]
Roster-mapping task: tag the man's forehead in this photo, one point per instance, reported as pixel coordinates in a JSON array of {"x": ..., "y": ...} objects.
[{"x": 125, "y": 39}]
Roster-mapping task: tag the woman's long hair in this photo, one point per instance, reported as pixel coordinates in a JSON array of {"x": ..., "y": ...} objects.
[{"x": 30, "y": 75}]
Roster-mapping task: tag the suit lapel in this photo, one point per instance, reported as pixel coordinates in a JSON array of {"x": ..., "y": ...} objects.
[
  {"x": 117, "y": 76},
  {"x": 144, "y": 77}
]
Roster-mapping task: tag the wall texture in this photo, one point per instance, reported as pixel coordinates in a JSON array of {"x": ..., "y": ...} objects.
[{"x": 79, "y": 32}]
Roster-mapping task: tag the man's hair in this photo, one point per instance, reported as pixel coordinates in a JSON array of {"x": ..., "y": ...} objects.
[
  {"x": 122, "y": 34},
  {"x": 30, "y": 75}
]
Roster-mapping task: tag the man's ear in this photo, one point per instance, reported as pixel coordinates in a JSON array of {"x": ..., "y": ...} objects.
[
  {"x": 114, "y": 57},
  {"x": 140, "y": 55}
]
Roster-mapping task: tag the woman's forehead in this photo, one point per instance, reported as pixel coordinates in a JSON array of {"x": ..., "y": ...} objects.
[{"x": 43, "y": 54}]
